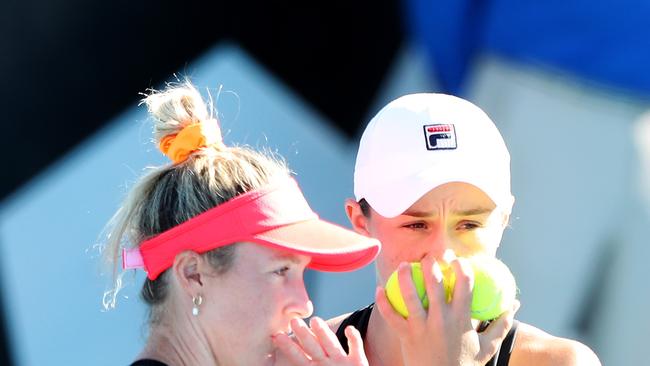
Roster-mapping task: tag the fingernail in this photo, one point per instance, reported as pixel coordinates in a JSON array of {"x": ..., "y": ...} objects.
[
  {"x": 316, "y": 321},
  {"x": 437, "y": 272},
  {"x": 448, "y": 256},
  {"x": 295, "y": 323}
]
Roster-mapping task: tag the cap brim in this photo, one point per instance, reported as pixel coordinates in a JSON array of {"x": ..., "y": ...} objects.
[
  {"x": 332, "y": 248},
  {"x": 403, "y": 194}
]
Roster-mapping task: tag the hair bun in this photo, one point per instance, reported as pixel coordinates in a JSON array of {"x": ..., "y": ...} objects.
[
  {"x": 182, "y": 121},
  {"x": 178, "y": 147}
]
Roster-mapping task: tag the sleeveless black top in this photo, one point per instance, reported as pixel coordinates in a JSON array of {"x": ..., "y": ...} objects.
[
  {"x": 360, "y": 318},
  {"x": 147, "y": 362}
]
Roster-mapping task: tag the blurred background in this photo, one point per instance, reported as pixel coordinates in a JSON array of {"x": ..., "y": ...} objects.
[{"x": 566, "y": 82}]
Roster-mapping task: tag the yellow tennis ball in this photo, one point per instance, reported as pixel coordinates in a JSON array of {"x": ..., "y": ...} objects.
[
  {"x": 494, "y": 290},
  {"x": 394, "y": 294},
  {"x": 493, "y": 293}
]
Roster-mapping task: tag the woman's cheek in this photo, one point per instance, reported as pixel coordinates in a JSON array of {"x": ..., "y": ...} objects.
[{"x": 488, "y": 238}]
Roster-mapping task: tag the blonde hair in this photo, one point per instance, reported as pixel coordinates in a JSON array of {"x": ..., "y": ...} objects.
[{"x": 174, "y": 193}]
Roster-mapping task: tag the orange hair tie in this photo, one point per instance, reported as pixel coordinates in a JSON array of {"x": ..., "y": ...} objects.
[{"x": 179, "y": 146}]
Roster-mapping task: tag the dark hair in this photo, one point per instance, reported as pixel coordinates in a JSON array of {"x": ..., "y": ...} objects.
[{"x": 365, "y": 207}]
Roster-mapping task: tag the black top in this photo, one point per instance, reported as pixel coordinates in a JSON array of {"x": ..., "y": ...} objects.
[
  {"x": 148, "y": 362},
  {"x": 360, "y": 318}
]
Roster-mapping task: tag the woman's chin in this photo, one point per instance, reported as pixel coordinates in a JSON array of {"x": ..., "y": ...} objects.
[
  {"x": 279, "y": 359},
  {"x": 271, "y": 359}
]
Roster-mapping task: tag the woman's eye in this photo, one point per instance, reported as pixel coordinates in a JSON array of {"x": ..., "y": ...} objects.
[
  {"x": 282, "y": 271},
  {"x": 469, "y": 225},
  {"x": 416, "y": 225}
]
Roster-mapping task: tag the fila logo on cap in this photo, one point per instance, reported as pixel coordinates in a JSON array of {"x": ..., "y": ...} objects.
[{"x": 440, "y": 137}]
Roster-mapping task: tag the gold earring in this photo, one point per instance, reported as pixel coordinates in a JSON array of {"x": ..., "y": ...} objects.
[{"x": 197, "y": 301}]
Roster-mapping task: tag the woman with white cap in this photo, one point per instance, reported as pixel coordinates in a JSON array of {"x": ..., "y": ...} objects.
[
  {"x": 432, "y": 183},
  {"x": 224, "y": 235}
]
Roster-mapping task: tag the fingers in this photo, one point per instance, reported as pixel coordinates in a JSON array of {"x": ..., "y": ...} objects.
[
  {"x": 308, "y": 340},
  {"x": 433, "y": 284},
  {"x": 392, "y": 317},
  {"x": 459, "y": 278},
  {"x": 409, "y": 293},
  {"x": 319, "y": 345},
  {"x": 292, "y": 351},
  {"x": 355, "y": 345},
  {"x": 455, "y": 277},
  {"x": 462, "y": 288},
  {"x": 495, "y": 333},
  {"x": 327, "y": 339}
]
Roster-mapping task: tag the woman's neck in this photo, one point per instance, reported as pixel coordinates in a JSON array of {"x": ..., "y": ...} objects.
[{"x": 178, "y": 344}]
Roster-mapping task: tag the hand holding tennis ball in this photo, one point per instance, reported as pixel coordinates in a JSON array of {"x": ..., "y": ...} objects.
[{"x": 493, "y": 293}]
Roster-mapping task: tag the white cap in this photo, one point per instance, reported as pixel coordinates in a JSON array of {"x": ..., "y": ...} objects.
[{"x": 421, "y": 141}]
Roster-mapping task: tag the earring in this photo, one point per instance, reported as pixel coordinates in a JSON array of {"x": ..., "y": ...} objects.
[{"x": 196, "y": 300}]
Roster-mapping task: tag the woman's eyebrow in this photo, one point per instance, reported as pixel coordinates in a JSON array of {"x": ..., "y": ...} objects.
[
  {"x": 417, "y": 213},
  {"x": 474, "y": 211},
  {"x": 287, "y": 257},
  {"x": 468, "y": 212}
]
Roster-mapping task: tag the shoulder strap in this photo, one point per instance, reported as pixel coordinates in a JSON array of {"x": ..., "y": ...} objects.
[
  {"x": 359, "y": 319},
  {"x": 502, "y": 357}
]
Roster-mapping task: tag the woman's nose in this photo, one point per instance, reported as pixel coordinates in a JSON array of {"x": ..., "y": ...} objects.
[
  {"x": 300, "y": 305},
  {"x": 437, "y": 244}
]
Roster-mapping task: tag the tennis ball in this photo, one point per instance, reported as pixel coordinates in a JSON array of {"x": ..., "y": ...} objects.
[
  {"x": 493, "y": 293},
  {"x": 394, "y": 294},
  {"x": 494, "y": 289}
]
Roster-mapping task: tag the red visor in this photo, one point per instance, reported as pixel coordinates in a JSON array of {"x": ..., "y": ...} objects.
[{"x": 277, "y": 216}]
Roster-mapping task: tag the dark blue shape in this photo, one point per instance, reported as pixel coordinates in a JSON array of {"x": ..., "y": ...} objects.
[{"x": 607, "y": 41}]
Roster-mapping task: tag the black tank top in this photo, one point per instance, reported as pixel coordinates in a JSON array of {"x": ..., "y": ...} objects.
[
  {"x": 360, "y": 318},
  {"x": 148, "y": 362}
]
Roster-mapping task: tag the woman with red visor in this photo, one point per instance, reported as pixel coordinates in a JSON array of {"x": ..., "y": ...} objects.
[{"x": 224, "y": 235}]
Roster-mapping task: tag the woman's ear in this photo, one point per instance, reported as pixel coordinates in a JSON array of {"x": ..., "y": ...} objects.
[
  {"x": 357, "y": 219},
  {"x": 187, "y": 270}
]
